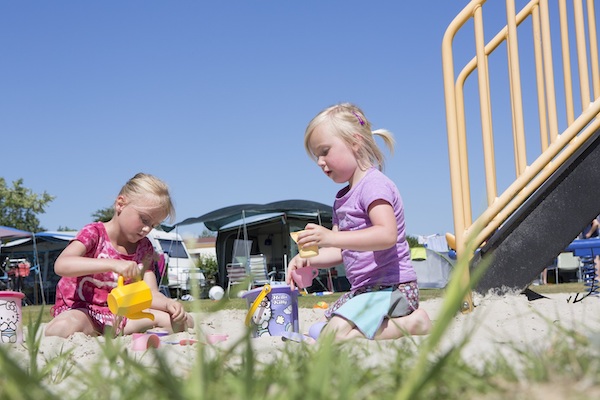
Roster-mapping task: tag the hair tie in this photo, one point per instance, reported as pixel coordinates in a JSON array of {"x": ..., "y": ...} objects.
[{"x": 360, "y": 120}]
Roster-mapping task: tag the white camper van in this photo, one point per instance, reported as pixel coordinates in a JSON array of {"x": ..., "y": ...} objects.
[{"x": 181, "y": 270}]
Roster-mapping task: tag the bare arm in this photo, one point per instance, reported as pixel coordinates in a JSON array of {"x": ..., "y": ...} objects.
[
  {"x": 72, "y": 262},
  {"x": 593, "y": 228},
  {"x": 162, "y": 302},
  {"x": 382, "y": 235}
]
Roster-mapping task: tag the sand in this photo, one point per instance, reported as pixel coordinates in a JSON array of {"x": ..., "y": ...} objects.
[{"x": 498, "y": 324}]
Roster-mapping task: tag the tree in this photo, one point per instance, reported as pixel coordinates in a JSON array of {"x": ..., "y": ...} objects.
[
  {"x": 103, "y": 214},
  {"x": 413, "y": 241},
  {"x": 206, "y": 233},
  {"x": 19, "y": 206}
]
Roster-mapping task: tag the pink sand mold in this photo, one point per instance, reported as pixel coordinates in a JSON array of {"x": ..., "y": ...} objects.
[
  {"x": 144, "y": 341},
  {"x": 216, "y": 338}
]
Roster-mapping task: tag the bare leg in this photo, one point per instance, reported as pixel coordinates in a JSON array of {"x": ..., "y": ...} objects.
[
  {"x": 68, "y": 322},
  {"x": 341, "y": 328},
  {"x": 161, "y": 320},
  {"x": 545, "y": 276},
  {"x": 417, "y": 323}
]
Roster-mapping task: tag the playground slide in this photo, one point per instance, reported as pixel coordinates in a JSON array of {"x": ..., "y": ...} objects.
[{"x": 544, "y": 225}]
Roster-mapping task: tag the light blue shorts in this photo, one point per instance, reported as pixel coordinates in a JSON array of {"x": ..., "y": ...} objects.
[{"x": 368, "y": 309}]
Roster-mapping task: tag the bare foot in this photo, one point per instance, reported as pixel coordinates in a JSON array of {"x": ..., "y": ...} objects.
[{"x": 182, "y": 326}]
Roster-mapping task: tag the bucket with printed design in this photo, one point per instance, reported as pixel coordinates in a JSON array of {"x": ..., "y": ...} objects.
[
  {"x": 272, "y": 310},
  {"x": 11, "y": 317}
]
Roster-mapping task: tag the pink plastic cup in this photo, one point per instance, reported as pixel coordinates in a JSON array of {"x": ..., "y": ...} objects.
[
  {"x": 303, "y": 277},
  {"x": 144, "y": 341}
]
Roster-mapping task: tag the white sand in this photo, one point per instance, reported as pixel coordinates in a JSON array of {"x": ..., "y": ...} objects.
[{"x": 500, "y": 324}]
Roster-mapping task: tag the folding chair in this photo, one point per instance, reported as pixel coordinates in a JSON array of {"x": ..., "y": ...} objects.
[
  {"x": 568, "y": 262},
  {"x": 236, "y": 274},
  {"x": 258, "y": 271}
]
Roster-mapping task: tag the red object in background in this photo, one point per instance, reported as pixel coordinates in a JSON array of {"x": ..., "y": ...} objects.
[
  {"x": 19, "y": 268},
  {"x": 23, "y": 269}
]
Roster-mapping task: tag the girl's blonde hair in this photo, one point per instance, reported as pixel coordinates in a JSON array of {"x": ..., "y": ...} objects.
[
  {"x": 142, "y": 186},
  {"x": 350, "y": 124}
]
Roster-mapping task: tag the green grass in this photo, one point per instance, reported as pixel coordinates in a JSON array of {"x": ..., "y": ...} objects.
[
  {"x": 32, "y": 311},
  {"x": 328, "y": 370}
]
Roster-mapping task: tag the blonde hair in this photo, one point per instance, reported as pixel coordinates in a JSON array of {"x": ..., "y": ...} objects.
[
  {"x": 142, "y": 186},
  {"x": 347, "y": 120}
]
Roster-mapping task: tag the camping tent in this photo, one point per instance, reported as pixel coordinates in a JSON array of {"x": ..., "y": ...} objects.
[
  {"x": 433, "y": 268},
  {"x": 41, "y": 249},
  {"x": 267, "y": 226}
]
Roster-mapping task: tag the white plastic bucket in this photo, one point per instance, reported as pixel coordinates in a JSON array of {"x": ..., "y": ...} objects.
[{"x": 11, "y": 317}]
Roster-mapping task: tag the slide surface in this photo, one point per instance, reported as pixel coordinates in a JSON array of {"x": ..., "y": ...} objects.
[{"x": 544, "y": 225}]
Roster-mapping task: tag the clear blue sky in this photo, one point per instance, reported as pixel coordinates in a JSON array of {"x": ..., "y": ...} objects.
[{"x": 214, "y": 96}]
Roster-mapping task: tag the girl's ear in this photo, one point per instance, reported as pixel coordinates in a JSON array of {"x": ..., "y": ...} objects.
[
  {"x": 358, "y": 143},
  {"x": 120, "y": 203}
]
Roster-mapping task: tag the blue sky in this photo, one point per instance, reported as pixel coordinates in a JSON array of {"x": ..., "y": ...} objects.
[{"x": 213, "y": 97}]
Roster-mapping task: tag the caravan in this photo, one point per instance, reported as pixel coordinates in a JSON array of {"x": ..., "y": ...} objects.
[{"x": 181, "y": 272}]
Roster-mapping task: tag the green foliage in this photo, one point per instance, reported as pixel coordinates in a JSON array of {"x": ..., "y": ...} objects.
[
  {"x": 413, "y": 241},
  {"x": 209, "y": 266},
  {"x": 65, "y": 229},
  {"x": 103, "y": 214},
  {"x": 206, "y": 233},
  {"x": 19, "y": 206}
]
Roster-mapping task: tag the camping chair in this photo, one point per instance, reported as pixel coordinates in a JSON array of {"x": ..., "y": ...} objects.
[
  {"x": 568, "y": 262},
  {"x": 258, "y": 271},
  {"x": 236, "y": 274}
]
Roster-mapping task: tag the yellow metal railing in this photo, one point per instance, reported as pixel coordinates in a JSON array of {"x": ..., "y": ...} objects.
[{"x": 555, "y": 146}]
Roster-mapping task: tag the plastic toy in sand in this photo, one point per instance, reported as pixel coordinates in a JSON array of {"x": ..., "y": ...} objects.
[
  {"x": 216, "y": 293},
  {"x": 321, "y": 304}
]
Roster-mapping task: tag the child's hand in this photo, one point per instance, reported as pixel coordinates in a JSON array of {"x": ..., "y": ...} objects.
[
  {"x": 296, "y": 263},
  {"x": 176, "y": 311},
  {"x": 128, "y": 269},
  {"x": 316, "y": 235}
]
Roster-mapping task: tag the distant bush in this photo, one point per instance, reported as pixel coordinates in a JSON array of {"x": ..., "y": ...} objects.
[{"x": 208, "y": 265}]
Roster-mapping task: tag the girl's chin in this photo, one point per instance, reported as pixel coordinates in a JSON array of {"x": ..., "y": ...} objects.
[{"x": 136, "y": 237}]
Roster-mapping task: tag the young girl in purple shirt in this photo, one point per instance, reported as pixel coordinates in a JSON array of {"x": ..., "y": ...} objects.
[{"x": 368, "y": 233}]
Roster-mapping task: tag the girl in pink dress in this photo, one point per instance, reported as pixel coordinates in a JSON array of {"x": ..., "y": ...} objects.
[{"x": 91, "y": 264}]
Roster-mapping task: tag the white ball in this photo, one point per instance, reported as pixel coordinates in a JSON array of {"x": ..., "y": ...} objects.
[{"x": 216, "y": 293}]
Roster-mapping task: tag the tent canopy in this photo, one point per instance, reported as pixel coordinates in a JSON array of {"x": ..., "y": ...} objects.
[
  {"x": 43, "y": 240},
  {"x": 6, "y": 232},
  {"x": 217, "y": 219}
]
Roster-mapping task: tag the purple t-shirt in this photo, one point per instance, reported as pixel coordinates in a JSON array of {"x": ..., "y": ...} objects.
[{"x": 350, "y": 212}]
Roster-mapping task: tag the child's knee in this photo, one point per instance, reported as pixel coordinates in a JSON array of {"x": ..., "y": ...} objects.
[{"x": 190, "y": 321}]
